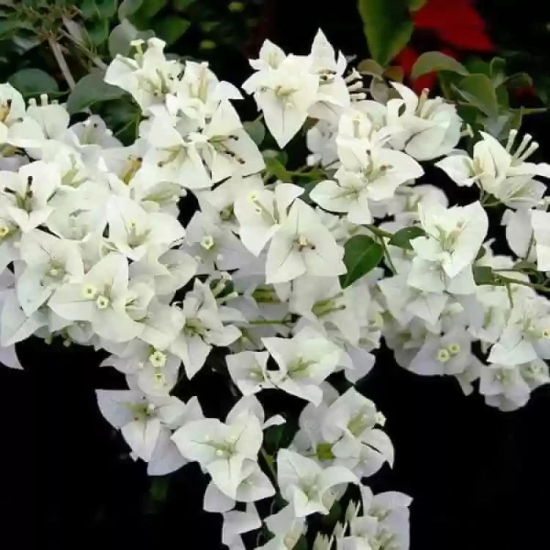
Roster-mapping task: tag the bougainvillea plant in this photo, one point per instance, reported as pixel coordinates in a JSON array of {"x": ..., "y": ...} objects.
[{"x": 289, "y": 279}]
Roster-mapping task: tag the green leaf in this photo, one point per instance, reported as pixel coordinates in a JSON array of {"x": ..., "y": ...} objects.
[
  {"x": 301, "y": 544},
  {"x": 498, "y": 71},
  {"x": 434, "y": 62},
  {"x": 256, "y": 130},
  {"x": 32, "y": 82},
  {"x": 334, "y": 515},
  {"x": 89, "y": 90},
  {"x": 98, "y": 9},
  {"x": 144, "y": 14},
  {"x": 478, "y": 90},
  {"x": 122, "y": 35},
  {"x": 403, "y": 237},
  {"x": 477, "y": 65},
  {"x": 388, "y": 27},
  {"x": 483, "y": 275},
  {"x": 361, "y": 255},
  {"x": 128, "y": 8},
  {"x": 98, "y": 31},
  {"x": 10, "y": 26},
  {"x": 415, "y": 5},
  {"x": 181, "y": 5},
  {"x": 171, "y": 28}
]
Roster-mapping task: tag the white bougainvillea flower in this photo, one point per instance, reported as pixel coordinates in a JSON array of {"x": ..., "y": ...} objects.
[
  {"x": 133, "y": 231},
  {"x": 101, "y": 299},
  {"x": 284, "y": 95},
  {"x": 236, "y": 523},
  {"x": 427, "y": 128},
  {"x": 526, "y": 336},
  {"x": 382, "y": 169},
  {"x": 149, "y": 76},
  {"x": 27, "y": 193},
  {"x": 260, "y": 213},
  {"x": 254, "y": 486},
  {"x": 146, "y": 424},
  {"x": 221, "y": 449},
  {"x": 306, "y": 485},
  {"x": 286, "y": 528},
  {"x": 50, "y": 262},
  {"x": 198, "y": 92},
  {"x": 15, "y": 324},
  {"x": 503, "y": 387},
  {"x": 454, "y": 235},
  {"x": 214, "y": 246},
  {"x": 200, "y": 327},
  {"x": 304, "y": 362},
  {"x": 303, "y": 245},
  {"x": 333, "y": 95},
  {"x": 249, "y": 372},
  {"x": 540, "y": 222},
  {"x": 270, "y": 57}
]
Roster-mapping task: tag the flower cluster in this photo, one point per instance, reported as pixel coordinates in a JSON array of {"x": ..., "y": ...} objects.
[{"x": 91, "y": 251}]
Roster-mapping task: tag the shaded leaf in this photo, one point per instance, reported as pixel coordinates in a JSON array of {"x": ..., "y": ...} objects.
[
  {"x": 121, "y": 37},
  {"x": 403, "y": 237},
  {"x": 32, "y": 82},
  {"x": 434, "y": 62},
  {"x": 89, "y": 90},
  {"x": 478, "y": 90},
  {"x": 98, "y": 31},
  {"x": 498, "y": 70},
  {"x": 387, "y": 26},
  {"x": 171, "y": 28},
  {"x": 256, "y": 130},
  {"x": 98, "y": 9},
  {"x": 361, "y": 255},
  {"x": 128, "y": 8},
  {"x": 483, "y": 275},
  {"x": 182, "y": 5}
]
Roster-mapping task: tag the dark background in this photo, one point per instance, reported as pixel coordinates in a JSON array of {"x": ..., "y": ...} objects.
[{"x": 479, "y": 477}]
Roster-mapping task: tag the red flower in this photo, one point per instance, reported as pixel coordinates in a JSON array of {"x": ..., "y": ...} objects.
[{"x": 456, "y": 24}]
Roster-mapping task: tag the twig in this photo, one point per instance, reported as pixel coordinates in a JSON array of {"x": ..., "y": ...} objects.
[{"x": 60, "y": 58}]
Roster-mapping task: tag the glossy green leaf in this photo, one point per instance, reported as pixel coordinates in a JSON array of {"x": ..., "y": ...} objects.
[
  {"x": 361, "y": 255},
  {"x": 89, "y": 90},
  {"x": 256, "y": 130},
  {"x": 31, "y": 82},
  {"x": 387, "y": 26},
  {"x": 415, "y": 5},
  {"x": 479, "y": 91},
  {"x": 434, "y": 62},
  {"x": 171, "y": 28},
  {"x": 403, "y": 237}
]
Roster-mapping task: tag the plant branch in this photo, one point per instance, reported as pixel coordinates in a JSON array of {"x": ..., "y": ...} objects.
[{"x": 60, "y": 58}]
